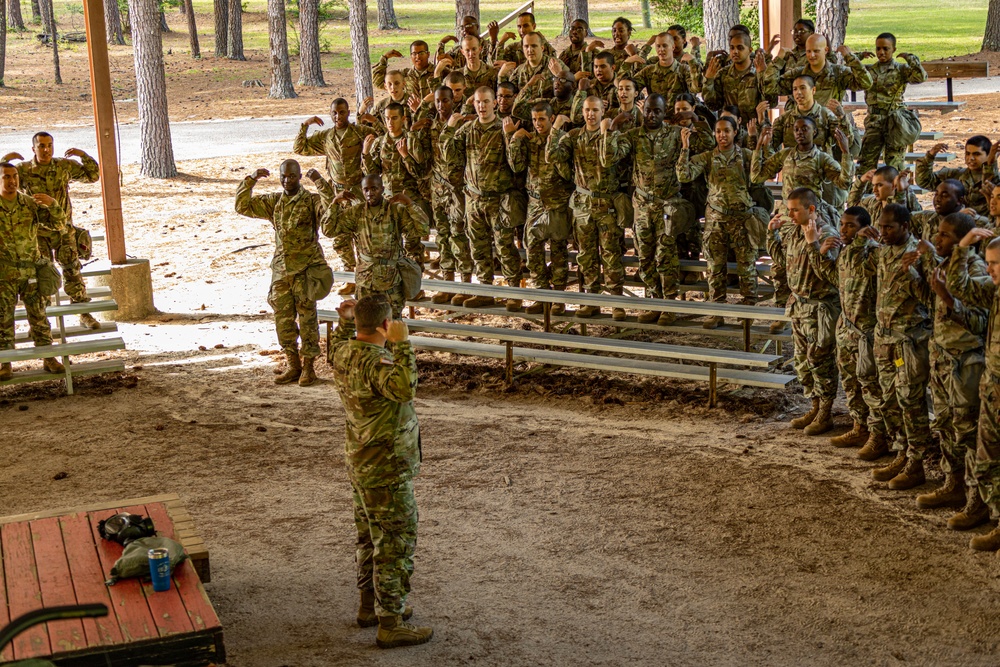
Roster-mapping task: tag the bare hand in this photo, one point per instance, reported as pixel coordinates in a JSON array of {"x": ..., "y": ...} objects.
[
  {"x": 686, "y": 137},
  {"x": 935, "y": 149},
  {"x": 413, "y": 103},
  {"x": 902, "y": 181},
  {"x": 401, "y": 199},
  {"x": 74, "y": 152},
  {"x": 366, "y": 147},
  {"x": 865, "y": 55},
  {"x": 556, "y": 66},
  {"x": 401, "y": 147},
  {"x": 535, "y": 79},
  {"x": 396, "y": 54},
  {"x": 910, "y": 258},
  {"x": 595, "y": 45},
  {"x": 987, "y": 189},
  {"x": 762, "y": 109},
  {"x": 521, "y": 133},
  {"x": 766, "y": 135},
  {"x": 510, "y": 125},
  {"x": 422, "y": 124},
  {"x": 940, "y": 285},
  {"x": 844, "y": 50},
  {"x": 43, "y": 199},
  {"x": 396, "y": 333},
  {"x": 583, "y": 84},
  {"x": 811, "y": 231},
  {"x": 605, "y": 124},
  {"x": 713, "y": 66},
  {"x": 836, "y": 107},
  {"x": 870, "y": 233},
  {"x": 831, "y": 243},
  {"x": 842, "y": 141},
  {"x": 345, "y": 196},
  {"x": 367, "y": 118},
  {"x": 560, "y": 120},
  {"x": 775, "y": 223},
  {"x": 366, "y": 104},
  {"x": 635, "y": 59},
  {"x": 974, "y": 236},
  {"x": 494, "y": 29},
  {"x": 759, "y": 61},
  {"x": 507, "y": 35},
  {"x": 315, "y": 120},
  {"x": 346, "y": 309},
  {"x": 619, "y": 120},
  {"x": 314, "y": 176},
  {"x": 441, "y": 66},
  {"x": 507, "y": 68},
  {"x": 446, "y": 39},
  {"x": 455, "y": 119},
  {"x": 259, "y": 174}
]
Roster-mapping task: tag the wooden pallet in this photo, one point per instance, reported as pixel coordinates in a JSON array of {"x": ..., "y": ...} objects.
[{"x": 54, "y": 558}]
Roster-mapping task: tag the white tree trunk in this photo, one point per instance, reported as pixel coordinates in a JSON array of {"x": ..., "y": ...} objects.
[
  {"x": 277, "y": 37},
  {"x": 831, "y": 20},
  {"x": 991, "y": 39},
  {"x": 155, "y": 146},
  {"x": 358, "y": 17},
  {"x": 720, "y": 16},
  {"x": 310, "y": 65}
]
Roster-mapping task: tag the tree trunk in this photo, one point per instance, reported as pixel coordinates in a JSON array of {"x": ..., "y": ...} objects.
[
  {"x": 113, "y": 23},
  {"x": 235, "y": 48},
  {"x": 155, "y": 146},
  {"x": 277, "y": 37},
  {"x": 310, "y": 65},
  {"x": 36, "y": 12},
  {"x": 464, "y": 8},
  {"x": 387, "y": 16},
  {"x": 358, "y": 18},
  {"x": 163, "y": 22},
  {"x": 192, "y": 29},
  {"x": 720, "y": 16},
  {"x": 14, "y": 15},
  {"x": 991, "y": 40},
  {"x": 3, "y": 40},
  {"x": 831, "y": 20},
  {"x": 221, "y": 27},
  {"x": 49, "y": 18},
  {"x": 573, "y": 10}
]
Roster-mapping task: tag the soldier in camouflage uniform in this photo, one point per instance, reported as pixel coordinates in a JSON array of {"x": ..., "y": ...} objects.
[
  {"x": 377, "y": 384},
  {"x": 901, "y": 352},
  {"x": 563, "y": 87},
  {"x": 788, "y": 60},
  {"x": 814, "y": 305},
  {"x": 22, "y": 217},
  {"x": 470, "y": 26},
  {"x": 549, "y": 187},
  {"x": 832, "y": 80},
  {"x": 481, "y": 146},
  {"x": 621, "y": 50},
  {"x": 418, "y": 78},
  {"x": 740, "y": 83},
  {"x": 885, "y": 100},
  {"x": 51, "y": 176},
  {"x": 729, "y": 212},
  {"x": 983, "y": 466},
  {"x": 295, "y": 214},
  {"x": 661, "y": 214},
  {"x": 447, "y": 196},
  {"x": 949, "y": 197},
  {"x": 391, "y": 156},
  {"x": 826, "y": 121},
  {"x": 533, "y": 72},
  {"x": 477, "y": 72},
  {"x": 979, "y": 169},
  {"x": 595, "y": 221},
  {"x": 602, "y": 86},
  {"x": 956, "y": 357},
  {"x": 512, "y": 52},
  {"x": 878, "y": 187},
  {"x": 691, "y": 60},
  {"x": 666, "y": 77},
  {"x": 374, "y": 117},
  {"x": 384, "y": 230},
  {"x": 341, "y": 146},
  {"x": 579, "y": 56}
]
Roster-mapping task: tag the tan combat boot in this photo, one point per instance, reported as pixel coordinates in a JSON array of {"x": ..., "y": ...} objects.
[
  {"x": 822, "y": 422},
  {"x": 988, "y": 542},
  {"x": 347, "y": 290},
  {"x": 537, "y": 308},
  {"x": 308, "y": 376},
  {"x": 888, "y": 472},
  {"x": 876, "y": 447},
  {"x": 910, "y": 476},
  {"x": 777, "y": 327},
  {"x": 712, "y": 322},
  {"x": 974, "y": 513},
  {"x": 394, "y": 632},
  {"x": 459, "y": 299},
  {"x": 513, "y": 305},
  {"x": 366, "y": 610},
  {"x": 647, "y": 316},
  {"x": 87, "y": 320},
  {"x": 618, "y": 314},
  {"x": 952, "y": 493},
  {"x": 6, "y": 372},
  {"x": 444, "y": 297},
  {"x": 807, "y": 418},
  {"x": 559, "y": 308},
  {"x": 856, "y": 437},
  {"x": 478, "y": 301},
  {"x": 587, "y": 311},
  {"x": 292, "y": 371},
  {"x": 53, "y": 366},
  {"x": 666, "y": 319}
]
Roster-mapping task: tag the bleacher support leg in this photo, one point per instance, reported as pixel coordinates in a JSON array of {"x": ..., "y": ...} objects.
[
  {"x": 746, "y": 335},
  {"x": 548, "y": 317},
  {"x": 510, "y": 363},
  {"x": 69, "y": 376},
  {"x": 329, "y": 337},
  {"x": 712, "y": 396},
  {"x": 413, "y": 313}
]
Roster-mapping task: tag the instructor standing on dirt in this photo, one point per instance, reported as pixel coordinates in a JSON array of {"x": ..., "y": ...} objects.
[{"x": 377, "y": 386}]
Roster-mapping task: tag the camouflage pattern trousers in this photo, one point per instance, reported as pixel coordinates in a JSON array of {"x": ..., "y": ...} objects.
[
  {"x": 658, "y": 223},
  {"x": 877, "y": 138},
  {"x": 386, "y": 519},
  {"x": 62, "y": 249},
  {"x": 547, "y": 227},
  {"x": 14, "y": 285},
  {"x": 725, "y": 231},
  {"x": 448, "y": 207},
  {"x": 815, "y": 339},
  {"x": 903, "y": 373},
  {"x": 287, "y": 299},
  {"x": 395, "y": 296},
  {"x": 984, "y": 463},
  {"x": 343, "y": 244},
  {"x": 856, "y": 361},
  {"x": 955, "y": 395},
  {"x": 490, "y": 233},
  {"x": 598, "y": 241}
]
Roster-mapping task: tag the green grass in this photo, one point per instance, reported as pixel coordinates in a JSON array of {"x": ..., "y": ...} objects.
[{"x": 932, "y": 30}]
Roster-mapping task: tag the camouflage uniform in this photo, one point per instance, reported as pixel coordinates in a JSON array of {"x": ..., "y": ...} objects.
[
  {"x": 973, "y": 181},
  {"x": 884, "y": 98},
  {"x": 608, "y": 94},
  {"x": 595, "y": 222},
  {"x": 525, "y": 100},
  {"x": 814, "y": 307},
  {"x": 667, "y": 81},
  {"x": 21, "y": 221},
  {"x": 401, "y": 175},
  {"x": 524, "y": 72},
  {"x": 379, "y": 112},
  {"x": 447, "y": 198},
  {"x": 661, "y": 214},
  {"x": 513, "y": 51},
  {"x": 823, "y": 137},
  {"x": 796, "y": 59},
  {"x": 924, "y": 224},
  {"x": 728, "y": 217},
  {"x": 296, "y": 223},
  {"x": 831, "y": 82},
  {"x": 377, "y": 387},
  {"x": 549, "y": 187},
  {"x": 488, "y": 181},
  {"x": 743, "y": 89},
  {"x": 858, "y": 196},
  {"x": 417, "y": 83},
  {"x": 383, "y": 234},
  {"x": 53, "y": 179},
  {"x": 983, "y": 466},
  {"x": 621, "y": 55},
  {"x": 486, "y": 75},
  {"x": 577, "y": 60},
  {"x": 342, "y": 150}
]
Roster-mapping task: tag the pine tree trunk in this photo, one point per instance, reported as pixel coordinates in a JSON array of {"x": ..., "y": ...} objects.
[
  {"x": 163, "y": 22},
  {"x": 235, "y": 48},
  {"x": 113, "y": 23},
  {"x": 831, "y": 20},
  {"x": 192, "y": 29},
  {"x": 991, "y": 39},
  {"x": 358, "y": 18},
  {"x": 573, "y": 10},
  {"x": 720, "y": 16},
  {"x": 221, "y": 27},
  {"x": 36, "y": 12},
  {"x": 387, "y": 16},
  {"x": 464, "y": 8},
  {"x": 49, "y": 18},
  {"x": 3, "y": 40},
  {"x": 277, "y": 37},
  {"x": 310, "y": 65},
  {"x": 14, "y": 18},
  {"x": 155, "y": 146}
]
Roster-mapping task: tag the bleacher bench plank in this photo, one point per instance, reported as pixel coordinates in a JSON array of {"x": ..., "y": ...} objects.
[
  {"x": 62, "y": 349},
  {"x": 942, "y": 106},
  {"x": 99, "y": 306},
  {"x": 79, "y": 369},
  {"x": 70, "y": 332}
]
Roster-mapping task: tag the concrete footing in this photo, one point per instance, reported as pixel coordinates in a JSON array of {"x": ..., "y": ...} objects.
[{"x": 132, "y": 288}]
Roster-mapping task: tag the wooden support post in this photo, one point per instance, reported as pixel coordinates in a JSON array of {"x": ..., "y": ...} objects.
[
  {"x": 712, "y": 385},
  {"x": 510, "y": 362},
  {"x": 548, "y": 317},
  {"x": 746, "y": 335},
  {"x": 329, "y": 337},
  {"x": 413, "y": 313},
  {"x": 104, "y": 121}
]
